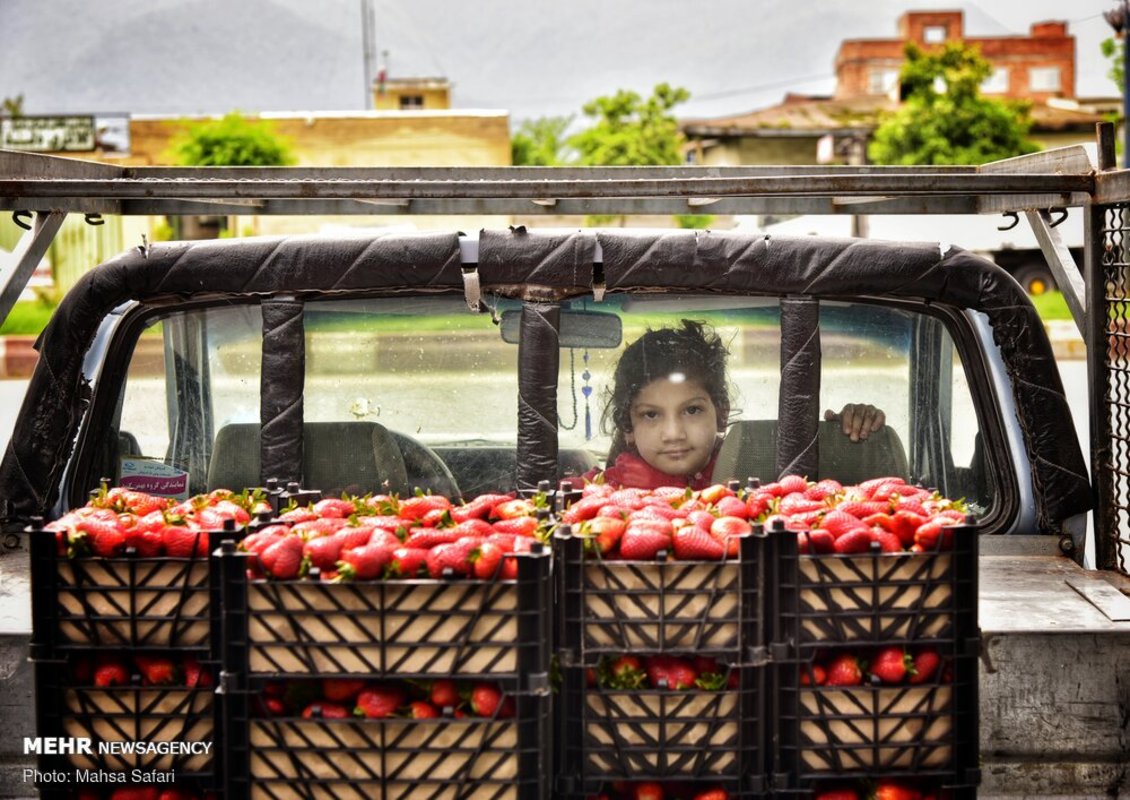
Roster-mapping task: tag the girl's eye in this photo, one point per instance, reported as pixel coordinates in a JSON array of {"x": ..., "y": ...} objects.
[
  {"x": 691, "y": 410},
  {"x": 649, "y": 414}
]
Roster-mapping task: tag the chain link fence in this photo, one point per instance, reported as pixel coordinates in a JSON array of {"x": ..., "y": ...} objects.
[{"x": 1113, "y": 386}]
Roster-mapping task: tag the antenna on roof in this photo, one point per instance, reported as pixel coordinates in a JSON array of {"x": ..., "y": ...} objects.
[{"x": 369, "y": 48}]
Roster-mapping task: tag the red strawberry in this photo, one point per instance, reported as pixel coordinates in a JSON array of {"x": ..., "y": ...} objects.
[
  {"x": 296, "y": 515},
  {"x": 335, "y": 507},
  {"x": 888, "y": 542},
  {"x": 485, "y": 699},
  {"x": 415, "y": 508},
  {"x": 315, "y": 528},
  {"x": 584, "y": 509},
  {"x": 854, "y": 542},
  {"x": 342, "y": 690},
  {"x": 444, "y": 693},
  {"x": 837, "y": 794},
  {"x": 487, "y": 560},
  {"x": 821, "y": 541},
  {"x": 519, "y": 526},
  {"x": 364, "y": 563},
  {"x": 427, "y": 538},
  {"x": 844, "y": 670},
  {"x": 718, "y": 793},
  {"x": 135, "y": 793},
  {"x": 727, "y": 531},
  {"x": 670, "y": 673},
  {"x": 407, "y": 562},
  {"x": 176, "y": 794},
  {"x": 757, "y": 505},
  {"x": 888, "y": 789},
  {"x": 934, "y": 535},
  {"x": 863, "y": 508},
  {"x": 320, "y": 710},
  {"x": 182, "y": 541},
  {"x": 351, "y": 537},
  {"x": 891, "y": 664},
  {"x": 273, "y": 706},
  {"x": 816, "y": 675},
  {"x": 648, "y": 791},
  {"x": 107, "y": 537},
  {"x": 196, "y": 675},
  {"x": 799, "y": 504},
  {"x": 157, "y": 670},
  {"x": 421, "y": 710},
  {"x": 904, "y": 523},
  {"x": 603, "y": 534},
  {"x": 473, "y": 527},
  {"x": 926, "y": 663},
  {"x": 323, "y": 552},
  {"x": 512, "y": 509},
  {"x": 446, "y": 560},
  {"x": 111, "y": 673},
  {"x": 732, "y": 507},
  {"x": 478, "y": 508},
  {"x": 625, "y": 672},
  {"x": 692, "y": 543},
  {"x": 792, "y": 483},
  {"x": 379, "y": 702},
  {"x": 867, "y": 488},
  {"x": 839, "y": 523},
  {"x": 282, "y": 560},
  {"x": 643, "y": 539},
  {"x": 822, "y": 490}
]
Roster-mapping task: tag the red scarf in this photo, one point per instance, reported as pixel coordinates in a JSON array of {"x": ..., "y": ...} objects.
[{"x": 631, "y": 471}]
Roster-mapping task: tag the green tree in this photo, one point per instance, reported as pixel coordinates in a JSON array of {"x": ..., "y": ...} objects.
[
  {"x": 232, "y": 141},
  {"x": 629, "y": 130},
  {"x": 1115, "y": 51},
  {"x": 944, "y": 119},
  {"x": 540, "y": 142},
  {"x": 14, "y": 106}
]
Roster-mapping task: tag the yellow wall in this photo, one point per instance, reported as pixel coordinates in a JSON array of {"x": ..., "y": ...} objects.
[{"x": 435, "y": 97}]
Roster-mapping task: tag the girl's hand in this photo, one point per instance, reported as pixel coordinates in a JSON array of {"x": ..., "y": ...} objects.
[{"x": 858, "y": 420}]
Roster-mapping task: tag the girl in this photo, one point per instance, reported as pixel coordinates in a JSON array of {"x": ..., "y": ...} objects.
[{"x": 669, "y": 406}]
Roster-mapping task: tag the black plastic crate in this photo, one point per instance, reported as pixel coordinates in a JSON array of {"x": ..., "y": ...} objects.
[
  {"x": 610, "y": 607},
  {"x": 397, "y": 758},
  {"x": 399, "y": 628},
  {"x": 877, "y": 597},
  {"x": 151, "y": 729},
  {"x": 634, "y": 734},
  {"x": 125, "y": 602}
]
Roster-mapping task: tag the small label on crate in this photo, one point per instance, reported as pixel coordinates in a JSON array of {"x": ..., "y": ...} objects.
[{"x": 154, "y": 477}]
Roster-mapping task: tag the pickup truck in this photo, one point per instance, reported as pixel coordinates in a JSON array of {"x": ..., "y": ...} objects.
[{"x": 463, "y": 365}]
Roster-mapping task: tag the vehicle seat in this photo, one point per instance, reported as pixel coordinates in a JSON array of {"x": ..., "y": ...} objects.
[
  {"x": 750, "y": 447},
  {"x": 352, "y": 457}
]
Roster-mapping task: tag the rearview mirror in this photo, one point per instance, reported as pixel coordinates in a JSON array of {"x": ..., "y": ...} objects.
[{"x": 578, "y": 329}]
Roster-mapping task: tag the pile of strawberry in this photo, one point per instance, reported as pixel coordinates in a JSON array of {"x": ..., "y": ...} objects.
[
  {"x": 884, "y": 514},
  {"x": 140, "y": 669},
  {"x": 380, "y": 537},
  {"x": 115, "y": 520},
  {"x": 346, "y": 698},
  {"x": 654, "y": 790},
  {"x": 675, "y": 673},
  {"x": 882, "y": 789},
  {"x": 890, "y": 665}
]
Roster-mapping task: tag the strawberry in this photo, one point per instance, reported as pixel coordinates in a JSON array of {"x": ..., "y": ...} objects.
[
  {"x": 839, "y": 522},
  {"x": 757, "y": 505},
  {"x": 625, "y": 672},
  {"x": 519, "y": 526},
  {"x": 316, "y": 528},
  {"x": 182, "y": 541},
  {"x": 272, "y": 706},
  {"x": 692, "y": 543},
  {"x": 867, "y": 488},
  {"x": 934, "y": 535},
  {"x": 259, "y": 541},
  {"x": 863, "y": 508},
  {"x": 926, "y": 663},
  {"x": 111, "y": 673},
  {"x": 351, "y": 537},
  {"x": 485, "y": 699},
  {"x": 176, "y": 794},
  {"x": 799, "y": 504},
  {"x": 406, "y": 562},
  {"x": 584, "y": 509},
  {"x": 473, "y": 527},
  {"x": 323, "y": 552},
  {"x": 822, "y": 490},
  {"x": 904, "y": 523},
  {"x": 712, "y": 494},
  {"x": 821, "y": 541},
  {"x": 342, "y": 690},
  {"x": 888, "y": 542},
  {"x": 107, "y": 537},
  {"x": 282, "y": 560},
  {"x": 378, "y": 702},
  {"x": 157, "y": 670},
  {"x": 728, "y": 530},
  {"x": 844, "y": 670},
  {"x": 487, "y": 561},
  {"x": 644, "y": 538},
  {"x": 135, "y": 793},
  {"x": 668, "y": 672},
  {"x": 888, "y": 789},
  {"x": 296, "y": 515},
  {"x": 815, "y": 675},
  {"x": 648, "y": 791},
  {"x": 320, "y": 710},
  {"x": 422, "y": 710},
  {"x": 444, "y": 693},
  {"x": 512, "y": 509},
  {"x": 891, "y": 664},
  {"x": 335, "y": 507},
  {"x": 427, "y": 538},
  {"x": 478, "y": 508},
  {"x": 631, "y": 498},
  {"x": 448, "y": 560},
  {"x": 364, "y": 563},
  {"x": 717, "y": 793},
  {"x": 147, "y": 536},
  {"x": 196, "y": 675},
  {"x": 414, "y": 508},
  {"x": 854, "y": 542},
  {"x": 792, "y": 483},
  {"x": 837, "y": 794},
  {"x": 603, "y": 533}
]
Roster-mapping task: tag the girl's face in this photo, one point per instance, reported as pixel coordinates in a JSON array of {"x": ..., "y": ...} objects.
[{"x": 674, "y": 425}]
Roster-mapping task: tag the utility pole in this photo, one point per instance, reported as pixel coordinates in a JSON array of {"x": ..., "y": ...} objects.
[
  {"x": 1119, "y": 19},
  {"x": 369, "y": 49}
]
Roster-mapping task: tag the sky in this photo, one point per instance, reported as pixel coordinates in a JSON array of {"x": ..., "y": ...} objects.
[{"x": 531, "y": 57}]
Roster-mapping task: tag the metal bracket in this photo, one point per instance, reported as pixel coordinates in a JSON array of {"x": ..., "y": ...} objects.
[
  {"x": 1067, "y": 274},
  {"x": 33, "y": 246}
]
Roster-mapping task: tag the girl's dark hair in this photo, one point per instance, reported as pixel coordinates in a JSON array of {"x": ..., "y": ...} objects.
[{"x": 693, "y": 349}]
